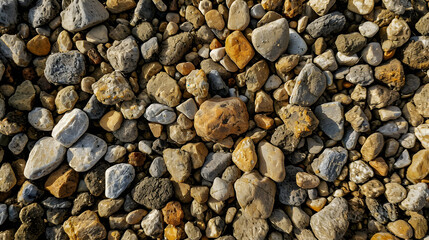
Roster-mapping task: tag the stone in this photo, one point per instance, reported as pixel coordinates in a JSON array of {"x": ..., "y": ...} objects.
[
  {"x": 398, "y": 32},
  {"x": 289, "y": 192},
  {"x": 173, "y": 213},
  {"x": 361, "y": 74},
  {"x": 421, "y": 104},
  {"x": 197, "y": 83},
  {"x": 416, "y": 197},
  {"x": 133, "y": 109},
  {"x": 215, "y": 227},
  {"x": 326, "y": 25},
  {"x": 331, "y": 222},
  {"x": 395, "y": 192},
  {"x": 107, "y": 207},
  {"x": 24, "y": 96},
  {"x": 71, "y": 127},
  {"x": 271, "y": 39},
  {"x": 13, "y": 48},
  {"x": 239, "y": 49},
  {"x": 419, "y": 168},
  {"x": 3, "y": 213},
  {"x": 178, "y": 164},
  {"x": 83, "y": 14},
  {"x": 415, "y": 53},
  {"x": 397, "y": 6},
  {"x": 46, "y": 155},
  {"x": 218, "y": 118},
  {"x": 281, "y": 221},
  {"x": 65, "y": 68},
  {"x": 160, "y": 113},
  {"x": 372, "y": 146},
  {"x": 246, "y": 227},
  {"x": 7, "y": 178},
  {"x": 214, "y": 20},
  {"x": 357, "y": 119},
  {"x": 39, "y": 45},
  {"x": 43, "y": 12},
  {"x": 86, "y": 152},
  {"x": 118, "y": 178},
  {"x": 124, "y": 55},
  {"x": 97, "y": 35},
  {"x": 301, "y": 120},
  {"x": 111, "y": 121},
  {"x": 173, "y": 48},
  {"x": 394, "y": 128},
  {"x": 331, "y": 119},
  {"x": 152, "y": 223},
  {"x": 373, "y": 54},
  {"x": 271, "y": 161},
  {"x": 9, "y": 14},
  {"x": 292, "y": 8},
  {"x": 362, "y": 7},
  {"x": 215, "y": 164},
  {"x": 164, "y": 90},
  {"x": 41, "y": 119},
  {"x": 18, "y": 143},
  {"x": 86, "y": 225},
  {"x": 321, "y": 7},
  {"x": 309, "y": 86},
  {"x": 326, "y": 61},
  {"x": 422, "y": 25},
  {"x": 153, "y": 193},
  {"x": 360, "y": 172},
  {"x": 112, "y": 88},
  {"x": 419, "y": 224},
  {"x": 66, "y": 99},
  {"x": 329, "y": 164},
  {"x": 244, "y": 155},
  {"x": 347, "y": 60},
  {"x": 194, "y": 16},
  {"x": 197, "y": 152},
  {"x": 128, "y": 132},
  {"x": 13, "y": 123},
  {"x": 379, "y": 96},
  {"x": 368, "y": 29},
  {"x": 221, "y": 189},
  {"x": 401, "y": 229},
  {"x": 372, "y": 188},
  {"x": 391, "y": 73},
  {"x": 351, "y": 43},
  {"x": 297, "y": 45},
  {"x": 117, "y": 6},
  {"x": 94, "y": 109},
  {"x": 192, "y": 231},
  {"x": 188, "y": 108},
  {"x": 256, "y": 76},
  {"x": 239, "y": 16},
  {"x": 62, "y": 182}
]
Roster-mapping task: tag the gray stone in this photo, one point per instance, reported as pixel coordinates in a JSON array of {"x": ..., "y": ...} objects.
[
  {"x": 397, "y": 6},
  {"x": 152, "y": 223},
  {"x": 217, "y": 85},
  {"x": 153, "y": 193},
  {"x": 271, "y": 39},
  {"x": 157, "y": 167},
  {"x": 257, "y": 11},
  {"x": 289, "y": 192},
  {"x": 416, "y": 198},
  {"x": 188, "y": 108},
  {"x": 368, "y": 29},
  {"x": 248, "y": 228},
  {"x": 71, "y": 127},
  {"x": 173, "y": 48},
  {"x": 281, "y": 221},
  {"x": 381, "y": 96},
  {"x": 309, "y": 86},
  {"x": 94, "y": 109},
  {"x": 178, "y": 164},
  {"x": 43, "y": 12},
  {"x": 361, "y": 74},
  {"x": 3, "y": 213},
  {"x": 46, "y": 155},
  {"x": 389, "y": 113},
  {"x": 83, "y": 14},
  {"x": 394, "y": 128},
  {"x": 160, "y": 113},
  {"x": 404, "y": 160},
  {"x": 331, "y": 222},
  {"x": 128, "y": 131},
  {"x": 215, "y": 164},
  {"x": 239, "y": 17},
  {"x": 325, "y": 26},
  {"x": 350, "y": 138},
  {"x": 329, "y": 164},
  {"x": 145, "y": 10},
  {"x": 65, "y": 68},
  {"x": 377, "y": 210},
  {"x": 41, "y": 119},
  {"x": 14, "y": 49},
  {"x": 150, "y": 49},
  {"x": 221, "y": 189},
  {"x": 144, "y": 31},
  {"x": 28, "y": 193},
  {"x": 118, "y": 178},
  {"x": 17, "y": 143},
  {"x": 8, "y": 13},
  {"x": 53, "y": 203},
  {"x": 331, "y": 119},
  {"x": 124, "y": 55},
  {"x": 86, "y": 152}
]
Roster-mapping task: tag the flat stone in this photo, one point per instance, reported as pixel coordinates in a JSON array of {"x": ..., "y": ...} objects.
[
  {"x": 328, "y": 24},
  {"x": 14, "y": 49},
  {"x": 173, "y": 48},
  {"x": 309, "y": 86},
  {"x": 215, "y": 164},
  {"x": 246, "y": 227},
  {"x": 329, "y": 164},
  {"x": 112, "y": 88},
  {"x": 160, "y": 113},
  {"x": 65, "y": 68},
  {"x": 331, "y": 119},
  {"x": 46, "y": 155},
  {"x": 118, "y": 178},
  {"x": 164, "y": 89},
  {"x": 271, "y": 161},
  {"x": 153, "y": 193},
  {"x": 62, "y": 182},
  {"x": 71, "y": 127},
  {"x": 271, "y": 40},
  {"x": 86, "y": 152},
  {"x": 85, "y": 225},
  {"x": 331, "y": 222},
  {"x": 83, "y": 14}
]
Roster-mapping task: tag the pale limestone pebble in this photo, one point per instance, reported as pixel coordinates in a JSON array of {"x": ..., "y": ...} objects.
[
  {"x": 271, "y": 161},
  {"x": 133, "y": 109},
  {"x": 112, "y": 88},
  {"x": 403, "y": 160},
  {"x": 368, "y": 29},
  {"x": 408, "y": 140},
  {"x": 389, "y": 113},
  {"x": 157, "y": 167},
  {"x": 71, "y": 127},
  {"x": 150, "y": 49},
  {"x": 360, "y": 172},
  {"x": 271, "y": 39},
  {"x": 422, "y": 133},
  {"x": 380, "y": 96},
  {"x": 297, "y": 45},
  {"x": 7, "y": 179},
  {"x": 204, "y": 51},
  {"x": 347, "y": 60},
  {"x": 118, "y": 178},
  {"x": 331, "y": 222},
  {"x": 41, "y": 119},
  {"x": 188, "y": 108},
  {"x": 114, "y": 153},
  {"x": 124, "y": 55},
  {"x": 178, "y": 164},
  {"x": 280, "y": 221},
  {"x": 217, "y": 54},
  {"x": 145, "y": 146},
  {"x": 321, "y": 7},
  {"x": 357, "y": 119},
  {"x": 326, "y": 61},
  {"x": 221, "y": 189},
  {"x": 86, "y": 152},
  {"x": 192, "y": 231},
  {"x": 17, "y": 143},
  {"x": 394, "y": 128},
  {"x": 239, "y": 17},
  {"x": 160, "y": 113},
  {"x": 395, "y": 192},
  {"x": 416, "y": 198},
  {"x": 152, "y": 223},
  {"x": 420, "y": 100},
  {"x": 128, "y": 132},
  {"x": 362, "y": 7},
  {"x": 372, "y": 54},
  {"x": 14, "y": 49},
  {"x": 98, "y": 34},
  {"x": 46, "y": 155},
  {"x": 248, "y": 228},
  {"x": 205, "y": 6},
  {"x": 398, "y": 33},
  {"x": 66, "y": 99},
  {"x": 64, "y": 42},
  {"x": 83, "y": 14},
  {"x": 273, "y": 82},
  {"x": 397, "y": 6}
]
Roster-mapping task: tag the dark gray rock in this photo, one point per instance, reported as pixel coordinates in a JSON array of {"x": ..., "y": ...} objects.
[
  {"x": 284, "y": 138},
  {"x": 95, "y": 178},
  {"x": 65, "y": 68},
  {"x": 217, "y": 85},
  {"x": 215, "y": 164},
  {"x": 326, "y": 25},
  {"x": 331, "y": 119},
  {"x": 153, "y": 193},
  {"x": 329, "y": 164},
  {"x": 43, "y": 12},
  {"x": 94, "y": 109},
  {"x": 8, "y": 13},
  {"x": 289, "y": 192},
  {"x": 145, "y": 10}
]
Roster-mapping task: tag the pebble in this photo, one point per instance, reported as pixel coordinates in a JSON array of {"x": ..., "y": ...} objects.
[
  {"x": 357, "y": 119},
  {"x": 43, "y": 12},
  {"x": 221, "y": 189},
  {"x": 306, "y": 180},
  {"x": 14, "y": 49},
  {"x": 391, "y": 73},
  {"x": 397, "y": 6},
  {"x": 94, "y": 109},
  {"x": 326, "y": 61},
  {"x": 361, "y": 7},
  {"x": 178, "y": 164},
  {"x": 372, "y": 146},
  {"x": 65, "y": 68},
  {"x": 239, "y": 49},
  {"x": 422, "y": 133},
  {"x": 7, "y": 179},
  {"x": 351, "y": 43},
  {"x": 164, "y": 90},
  {"x": 3, "y": 213},
  {"x": 81, "y": 15},
  {"x": 8, "y": 14},
  {"x": 115, "y": 6},
  {"x": 401, "y": 229},
  {"x": 66, "y": 99},
  {"x": 114, "y": 153},
  {"x": 97, "y": 35},
  {"x": 71, "y": 127},
  {"x": 395, "y": 192},
  {"x": 270, "y": 45},
  {"x": 321, "y": 7},
  {"x": 329, "y": 164},
  {"x": 127, "y": 132},
  {"x": 62, "y": 182},
  {"x": 160, "y": 113},
  {"x": 372, "y": 188},
  {"x": 247, "y": 227},
  {"x": 173, "y": 48},
  {"x": 118, "y": 178},
  {"x": 421, "y": 26},
  {"x": 152, "y": 223},
  {"x": 112, "y": 88},
  {"x": 331, "y": 222},
  {"x": 289, "y": 192},
  {"x": 331, "y": 119},
  {"x": 111, "y": 121},
  {"x": 124, "y": 55},
  {"x": 39, "y": 45},
  {"x": 153, "y": 193},
  {"x": 368, "y": 29},
  {"x": 347, "y": 60},
  {"x": 86, "y": 224},
  {"x": 23, "y": 98},
  {"x": 239, "y": 16},
  {"x": 398, "y": 32},
  {"x": 326, "y": 25},
  {"x": 197, "y": 83},
  {"x": 215, "y": 164},
  {"x": 188, "y": 108},
  {"x": 297, "y": 45},
  {"x": 217, "y": 85},
  {"x": 309, "y": 86},
  {"x": 360, "y": 172},
  {"x": 86, "y": 152},
  {"x": 197, "y": 152},
  {"x": 416, "y": 197},
  {"x": 257, "y": 11},
  {"x": 394, "y": 128},
  {"x": 271, "y": 161}
]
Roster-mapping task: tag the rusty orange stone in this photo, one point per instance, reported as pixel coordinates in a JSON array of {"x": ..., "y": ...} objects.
[
  {"x": 174, "y": 233},
  {"x": 383, "y": 236},
  {"x": 63, "y": 182},
  {"x": 389, "y": 54},
  {"x": 215, "y": 44},
  {"x": 263, "y": 121},
  {"x": 380, "y": 166},
  {"x": 39, "y": 45},
  {"x": 173, "y": 213},
  {"x": 239, "y": 49},
  {"x": 136, "y": 159},
  {"x": 185, "y": 68}
]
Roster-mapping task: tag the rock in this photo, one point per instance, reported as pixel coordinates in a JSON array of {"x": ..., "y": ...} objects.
[
  {"x": 221, "y": 189},
  {"x": 118, "y": 178},
  {"x": 124, "y": 55},
  {"x": 331, "y": 222},
  {"x": 117, "y": 6},
  {"x": 111, "y": 121},
  {"x": 173, "y": 213},
  {"x": 325, "y": 26},
  {"x": 415, "y": 53},
  {"x": 372, "y": 146},
  {"x": 361, "y": 74},
  {"x": 397, "y": 6},
  {"x": 112, "y": 88},
  {"x": 197, "y": 84},
  {"x": 128, "y": 131},
  {"x": 164, "y": 89},
  {"x": 394, "y": 128},
  {"x": 24, "y": 96},
  {"x": 194, "y": 16},
  {"x": 62, "y": 182},
  {"x": 13, "y": 48},
  {"x": 107, "y": 207},
  {"x": 380, "y": 96},
  {"x": 398, "y": 32},
  {"x": 218, "y": 118},
  {"x": 173, "y": 48},
  {"x": 419, "y": 224},
  {"x": 178, "y": 164},
  {"x": 357, "y": 119},
  {"x": 360, "y": 172},
  {"x": 395, "y": 192},
  {"x": 239, "y": 49},
  {"x": 43, "y": 12},
  {"x": 188, "y": 108},
  {"x": 39, "y": 45},
  {"x": 321, "y": 7},
  {"x": 159, "y": 113},
  {"x": 86, "y": 152},
  {"x": 301, "y": 120},
  {"x": 281, "y": 221},
  {"x": 66, "y": 99},
  {"x": 416, "y": 197},
  {"x": 217, "y": 85},
  {"x": 401, "y": 229},
  {"x": 83, "y": 14},
  {"x": 368, "y": 29},
  {"x": 297, "y": 45},
  {"x": 292, "y": 8},
  {"x": 248, "y": 228},
  {"x": 192, "y": 231},
  {"x": 329, "y": 164},
  {"x": 95, "y": 179},
  {"x": 289, "y": 192},
  {"x": 351, "y": 43},
  {"x": 420, "y": 102},
  {"x": 152, "y": 223},
  {"x": 215, "y": 164},
  {"x": 391, "y": 73},
  {"x": 215, "y": 20},
  {"x": 331, "y": 119},
  {"x": 373, "y": 54},
  {"x": 326, "y": 61},
  {"x": 153, "y": 193},
  {"x": 8, "y": 14},
  {"x": 419, "y": 168},
  {"x": 40, "y": 163},
  {"x": 145, "y": 10},
  {"x": 7, "y": 178},
  {"x": 239, "y": 16},
  {"x": 71, "y": 127},
  {"x": 65, "y": 68},
  {"x": 256, "y": 76},
  {"x": 197, "y": 152},
  {"x": 271, "y": 40},
  {"x": 271, "y": 161},
  {"x": 361, "y": 7},
  {"x": 244, "y": 155},
  {"x": 309, "y": 86},
  {"x": 3, "y": 213},
  {"x": 422, "y": 25},
  {"x": 98, "y": 34},
  {"x": 86, "y": 225}
]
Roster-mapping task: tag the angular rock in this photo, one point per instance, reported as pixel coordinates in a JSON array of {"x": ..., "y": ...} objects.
[
  {"x": 118, "y": 178},
  {"x": 173, "y": 48},
  {"x": 372, "y": 146},
  {"x": 86, "y": 225},
  {"x": 331, "y": 119},
  {"x": 43, "y": 12},
  {"x": 249, "y": 228},
  {"x": 63, "y": 182},
  {"x": 13, "y": 48},
  {"x": 153, "y": 193},
  {"x": 391, "y": 73},
  {"x": 86, "y": 152},
  {"x": 164, "y": 90},
  {"x": 83, "y": 14},
  {"x": 271, "y": 40},
  {"x": 7, "y": 179},
  {"x": 325, "y": 26},
  {"x": 271, "y": 161},
  {"x": 8, "y": 14},
  {"x": 178, "y": 164},
  {"x": 331, "y": 222},
  {"x": 361, "y": 74},
  {"x": 244, "y": 155},
  {"x": 23, "y": 98},
  {"x": 112, "y": 88},
  {"x": 289, "y": 192},
  {"x": 351, "y": 43},
  {"x": 239, "y": 49},
  {"x": 152, "y": 223},
  {"x": 309, "y": 86},
  {"x": 329, "y": 164},
  {"x": 124, "y": 55},
  {"x": 65, "y": 68}
]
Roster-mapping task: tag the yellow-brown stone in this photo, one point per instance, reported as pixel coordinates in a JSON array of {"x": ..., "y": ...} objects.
[
  {"x": 239, "y": 49},
  {"x": 214, "y": 19},
  {"x": 401, "y": 229},
  {"x": 85, "y": 226},
  {"x": 292, "y": 7},
  {"x": 185, "y": 68},
  {"x": 383, "y": 236},
  {"x": 174, "y": 233},
  {"x": 62, "y": 182},
  {"x": 244, "y": 155},
  {"x": 301, "y": 120},
  {"x": 198, "y": 153},
  {"x": 39, "y": 45},
  {"x": 418, "y": 171},
  {"x": 111, "y": 121},
  {"x": 263, "y": 121},
  {"x": 173, "y": 213},
  {"x": 117, "y": 6},
  {"x": 380, "y": 166}
]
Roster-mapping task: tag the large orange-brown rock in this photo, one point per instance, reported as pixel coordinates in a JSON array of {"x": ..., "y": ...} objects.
[
  {"x": 63, "y": 182},
  {"x": 239, "y": 49},
  {"x": 173, "y": 213},
  {"x": 218, "y": 118},
  {"x": 85, "y": 226}
]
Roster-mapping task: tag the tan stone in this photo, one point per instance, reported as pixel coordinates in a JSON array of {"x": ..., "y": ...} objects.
[
  {"x": 64, "y": 42},
  {"x": 419, "y": 224},
  {"x": 418, "y": 171},
  {"x": 263, "y": 102},
  {"x": 7, "y": 178},
  {"x": 200, "y": 193},
  {"x": 66, "y": 99},
  {"x": 263, "y": 121},
  {"x": 62, "y": 182},
  {"x": 372, "y": 146},
  {"x": 185, "y": 68},
  {"x": 401, "y": 229},
  {"x": 85, "y": 226},
  {"x": 173, "y": 213},
  {"x": 164, "y": 89},
  {"x": 135, "y": 216},
  {"x": 271, "y": 161},
  {"x": 391, "y": 73},
  {"x": 197, "y": 84},
  {"x": 239, "y": 49},
  {"x": 214, "y": 19},
  {"x": 306, "y": 180},
  {"x": 117, "y": 6},
  {"x": 39, "y": 45},
  {"x": 218, "y": 118},
  {"x": 156, "y": 129},
  {"x": 316, "y": 204},
  {"x": 198, "y": 153},
  {"x": 301, "y": 120},
  {"x": 271, "y": 5},
  {"x": 380, "y": 166},
  {"x": 361, "y": 7},
  {"x": 244, "y": 155},
  {"x": 111, "y": 121}
]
